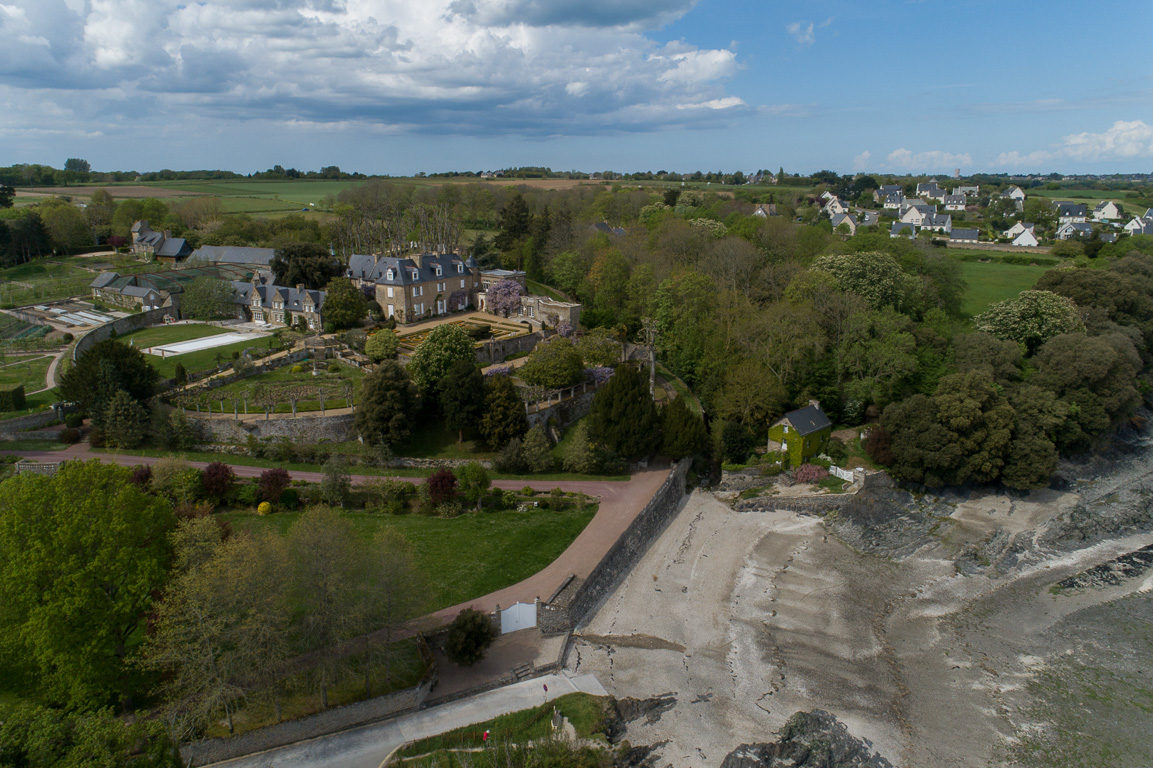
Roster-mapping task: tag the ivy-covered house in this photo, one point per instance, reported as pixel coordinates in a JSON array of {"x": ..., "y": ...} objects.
[{"x": 801, "y": 434}]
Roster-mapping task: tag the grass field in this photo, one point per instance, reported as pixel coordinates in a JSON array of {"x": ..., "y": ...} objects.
[
  {"x": 993, "y": 282},
  {"x": 29, "y": 371},
  {"x": 282, "y": 379},
  {"x": 246, "y": 195},
  {"x": 464, "y": 557}
]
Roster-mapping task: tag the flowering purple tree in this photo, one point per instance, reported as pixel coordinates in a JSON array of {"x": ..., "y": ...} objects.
[
  {"x": 501, "y": 370},
  {"x": 564, "y": 328},
  {"x": 457, "y": 300},
  {"x": 504, "y": 297},
  {"x": 598, "y": 375}
]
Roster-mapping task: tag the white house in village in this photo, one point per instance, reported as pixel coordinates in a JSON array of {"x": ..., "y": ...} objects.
[
  {"x": 903, "y": 230},
  {"x": 972, "y": 191},
  {"x": 1018, "y": 228},
  {"x": 965, "y": 235},
  {"x": 1106, "y": 210},
  {"x": 1074, "y": 229},
  {"x": 1015, "y": 193},
  {"x": 938, "y": 222},
  {"x": 1138, "y": 224},
  {"x": 955, "y": 202},
  {"x": 1072, "y": 213},
  {"x": 894, "y": 201},
  {"x": 916, "y": 213},
  {"x": 1025, "y": 237}
]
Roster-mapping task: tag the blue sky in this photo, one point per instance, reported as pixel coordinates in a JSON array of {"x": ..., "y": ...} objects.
[{"x": 400, "y": 86}]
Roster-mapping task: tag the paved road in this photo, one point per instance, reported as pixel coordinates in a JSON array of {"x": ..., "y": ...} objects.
[{"x": 369, "y": 745}]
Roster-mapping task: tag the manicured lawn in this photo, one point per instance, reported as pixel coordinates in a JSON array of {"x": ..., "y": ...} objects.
[
  {"x": 29, "y": 371},
  {"x": 993, "y": 282},
  {"x": 283, "y": 379},
  {"x": 463, "y": 557},
  {"x": 540, "y": 289},
  {"x": 201, "y": 360}
]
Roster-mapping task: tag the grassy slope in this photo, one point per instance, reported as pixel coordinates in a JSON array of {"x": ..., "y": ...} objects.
[
  {"x": 29, "y": 372},
  {"x": 464, "y": 557},
  {"x": 283, "y": 377}
]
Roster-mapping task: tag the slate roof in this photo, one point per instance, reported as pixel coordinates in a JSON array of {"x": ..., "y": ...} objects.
[
  {"x": 136, "y": 290},
  {"x": 229, "y": 254},
  {"x": 375, "y": 269},
  {"x": 898, "y": 226},
  {"x": 841, "y": 218},
  {"x": 1066, "y": 209},
  {"x": 808, "y": 420},
  {"x": 890, "y": 189},
  {"x": 938, "y": 220},
  {"x": 174, "y": 247},
  {"x": 294, "y": 299},
  {"x": 955, "y": 200},
  {"x": 103, "y": 279},
  {"x": 1109, "y": 237},
  {"x": 965, "y": 234}
]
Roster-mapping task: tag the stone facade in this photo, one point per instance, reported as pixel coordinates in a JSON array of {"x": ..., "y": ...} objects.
[
  {"x": 311, "y": 427},
  {"x": 418, "y": 286},
  {"x": 540, "y": 309}
]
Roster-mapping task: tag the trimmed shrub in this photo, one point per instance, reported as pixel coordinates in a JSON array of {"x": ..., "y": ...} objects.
[
  {"x": 442, "y": 487},
  {"x": 264, "y": 509},
  {"x": 290, "y": 498},
  {"x": 69, "y": 436},
  {"x": 73, "y": 420},
  {"x": 334, "y": 367},
  {"x": 12, "y": 399},
  {"x": 217, "y": 479}
]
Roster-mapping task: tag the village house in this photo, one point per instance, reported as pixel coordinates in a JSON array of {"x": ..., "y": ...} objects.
[
  {"x": 886, "y": 190},
  {"x": 1025, "y": 237},
  {"x": 765, "y": 210},
  {"x": 930, "y": 190},
  {"x": 894, "y": 202},
  {"x": 801, "y": 434},
  {"x": 900, "y": 229},
  {"x": 1072, "y": 213},
  {"x": 916, "y": 213},
  {"x": 1074, "y": 229},
  {"x": 938, "y": 222},
  {"x": 260, "y": 258},
  {"x": 955, "y": 202},
  {"x": 1107, "y": 210},
  {"x": 844, "y": 219},
  {"x": 159, "y": 246},
  {"x": 972, "y": 191},
  {"x": 965, "y": 235}
]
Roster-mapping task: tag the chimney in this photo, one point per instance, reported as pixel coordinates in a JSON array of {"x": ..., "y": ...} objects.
[
  {"x": 300, "y": 287},
  {"x": 816, "y": 404}
]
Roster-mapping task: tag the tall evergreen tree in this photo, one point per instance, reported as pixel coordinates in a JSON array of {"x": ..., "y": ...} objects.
[{"x": 623, "y": 417}]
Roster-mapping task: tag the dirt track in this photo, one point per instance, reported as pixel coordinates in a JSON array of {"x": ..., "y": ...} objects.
[{"x": 748, "y": 617}]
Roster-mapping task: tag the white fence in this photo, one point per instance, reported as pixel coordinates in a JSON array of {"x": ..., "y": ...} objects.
[{"x": 844, "y": 474}]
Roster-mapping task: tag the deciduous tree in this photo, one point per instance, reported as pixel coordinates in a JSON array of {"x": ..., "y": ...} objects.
[
  {"x": 553, "y": 363},
  {"x": 344, "y": 305},
  {"x": 444, "y": 346},
  {"x": 81, "y": 554}
]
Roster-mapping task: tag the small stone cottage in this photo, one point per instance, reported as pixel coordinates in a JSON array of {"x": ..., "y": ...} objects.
[{"x": 801, "y": 434}]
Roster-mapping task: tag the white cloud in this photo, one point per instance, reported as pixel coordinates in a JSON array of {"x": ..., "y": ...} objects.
[
  {"x": 1122, "y": 140},
  {"x": 930, "y": 161},
  {"x": 861, "y": 161},
  {"x": 513, "y": 66},
  {"x": 802, "y": 32}
]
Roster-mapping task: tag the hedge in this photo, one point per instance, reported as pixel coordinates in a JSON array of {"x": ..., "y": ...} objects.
[{"x": 12, "y": 399}]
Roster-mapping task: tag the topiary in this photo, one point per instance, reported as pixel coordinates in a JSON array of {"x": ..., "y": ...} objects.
[
  {"x": 298, "y": 369},
  {"x": 334, "y": 367},
  {"x": 264, "y": 509},
  {"x": 69, "y": 436}
]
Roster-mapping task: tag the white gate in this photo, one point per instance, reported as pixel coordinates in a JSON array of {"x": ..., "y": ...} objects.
[
  {"x": 844, "y": 474},
  {"x": 517, "y": 616}
]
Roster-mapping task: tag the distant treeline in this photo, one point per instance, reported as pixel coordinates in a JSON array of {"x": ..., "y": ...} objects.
[{"x": 78, "y": 172}]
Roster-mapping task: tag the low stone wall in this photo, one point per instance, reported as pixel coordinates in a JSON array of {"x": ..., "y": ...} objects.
[
  {"x": 406, "y": 463},
  {"x": 336, "y": 719},
  {"x": 565, "y": 412},
  {"x": 497, "y": 350},
  {"x": 313, "y": 428},
  {"x": 9, "y": 427},
  {"x": 577, "y": 600},
  {"x": 122, "y": 326}
]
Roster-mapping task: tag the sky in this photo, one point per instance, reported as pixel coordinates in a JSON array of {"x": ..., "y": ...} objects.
[{"x": 402, "y": 86}]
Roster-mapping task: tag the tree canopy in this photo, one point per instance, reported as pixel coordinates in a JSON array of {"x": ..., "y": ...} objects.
[
  {"x": 108, "y": 366},
  {"x": 388, "y": 401},
  {"x": 444, "y": 346},
  {"x": 623, "y": 416},
  {"x": 81, "y": 554},
  {"x": 344, "y": 305},
  {"x": 309, "y": 264}
]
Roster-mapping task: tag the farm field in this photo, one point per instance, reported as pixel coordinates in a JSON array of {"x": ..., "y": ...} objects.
[
  {"x": 463, "y": 557},
  {"x": 292, "y": 195},
  {"x": 991, "y": 282}
]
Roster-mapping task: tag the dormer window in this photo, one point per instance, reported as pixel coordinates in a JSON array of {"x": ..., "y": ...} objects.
[
  {"x": 459, "y": 268},
  {"x": 389, "y": 275},
  {"x": 438, "y": 270},
  {"x": 415, "y": 275}
]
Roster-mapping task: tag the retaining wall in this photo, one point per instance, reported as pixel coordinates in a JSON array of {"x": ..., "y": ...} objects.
[
  {"x": 579, "y": 599},
  {"x": 9, "y": 427},
  {"x": 313, "y": 428},
  {"x": 122, "y": 326},
  {"x": 336, "y": 719},
  {"x": 497, "y": 350},
  {"x": 565, "y": 412}
]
